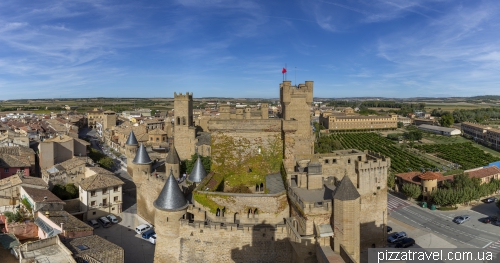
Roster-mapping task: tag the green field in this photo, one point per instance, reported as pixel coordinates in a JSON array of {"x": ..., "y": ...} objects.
[
  {"x": 401, "y": 160},
  {"x": 464, "y": 154}
]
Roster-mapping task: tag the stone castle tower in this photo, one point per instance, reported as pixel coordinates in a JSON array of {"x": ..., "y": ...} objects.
[
  {"x": 170, "y": 207},
  {"x": 130, "y": 150},
  {"x": 295, "y": 112},
  {"x": 346, "y": 223},
  {"x": 142, "y": 166},
  {"x": 172, "y": 163},
  {"x": 184, "y": 130}
]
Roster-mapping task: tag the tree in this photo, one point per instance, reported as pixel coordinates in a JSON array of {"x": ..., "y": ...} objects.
[
  {"x": 446, "y": 120},
  {"x": 72, "y": 190},
  {"x": 106, "y": 163},
  {"x": 400, "y": 124},
  {"x": 65, "y": 192},
  {"x": 498, "y": 204},
  {"x": 391, "y": 180},
  {"x": 412, "y": 190}
]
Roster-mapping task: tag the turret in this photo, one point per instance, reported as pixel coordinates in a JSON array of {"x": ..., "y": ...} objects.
[
  {"x": 130, "y": 149},
  {"x": 142, "y": 165},
  {"x": 198, "y": 173},
  {"x": 172, "y": 163},
  {"x": 170, "y": 207},
  {"x": 346, "y": 223}
]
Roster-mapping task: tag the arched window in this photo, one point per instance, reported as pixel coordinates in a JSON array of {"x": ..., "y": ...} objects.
[
  {"x": 218, "y": 212},
  {"x": 183, "y": 120},
  {"x": 256, "y": 188},
  {"x": 178, "y": 121},
  {"x": 261, "y": 187},
  {"x": 249, "y": 212}
]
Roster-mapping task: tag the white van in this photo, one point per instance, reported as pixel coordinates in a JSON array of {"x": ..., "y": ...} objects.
[
  {"x": 142, "y": 228},
  {"x": 153, "y": 239}
]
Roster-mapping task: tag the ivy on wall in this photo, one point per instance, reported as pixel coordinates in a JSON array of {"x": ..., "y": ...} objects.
[{"x": 245, "y": 162}]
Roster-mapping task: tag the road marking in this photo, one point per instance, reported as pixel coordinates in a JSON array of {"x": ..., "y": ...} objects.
[{"x": 488, "y": 244}]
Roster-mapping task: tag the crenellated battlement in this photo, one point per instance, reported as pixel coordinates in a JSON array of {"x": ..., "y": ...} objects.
[
  {"x": 211, "y": 226},
  {"x": 180, "y": 96}
]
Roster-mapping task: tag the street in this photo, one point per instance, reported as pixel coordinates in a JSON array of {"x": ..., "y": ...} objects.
[
  {"x": 472, "y": 233},
  {"x": 123, "y": 234}
]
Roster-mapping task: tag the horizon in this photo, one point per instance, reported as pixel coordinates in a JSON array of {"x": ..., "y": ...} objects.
[{"x": 237, "y": 49}]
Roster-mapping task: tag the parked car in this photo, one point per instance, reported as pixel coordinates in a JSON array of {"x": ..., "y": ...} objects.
[
  {"x": 112, "y": 218},
  {"x": 152, "y": 239},
  {"x": 93, "y": 223},
  {"x": 104, "y": 221},
  {"x": 490, "y": 200},
  {"x": 148, "y": 234},
  {"x": 396, "y": 237},
  {"x": 489, "y": 219},
  {"x": 143, "y": 228},
  {"x": 406, "y": 242},
  {"x": 461, "y": 219},
  {"x": 389, "y": 229}
]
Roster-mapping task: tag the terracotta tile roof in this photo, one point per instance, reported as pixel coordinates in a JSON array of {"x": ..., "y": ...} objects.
[
  {"x": 95, "y": 249},
  {"x": 8, "y": 160},
  {"x": 413, "y": 177},
  {"x": 38, "y": 195},
  {"x": 157, "y": 131},
  {"x": 71, "y": 223},
  {"x": 33, "y": 181},
  {"x": 16, "y": 180},
  {"x": 73, "y": 163},
  {"x": 99, "y": 181},
  {"x": 429, "y": 176},
  {"x": 483, "y": 172},
  {"x": 99, "y": 170}
]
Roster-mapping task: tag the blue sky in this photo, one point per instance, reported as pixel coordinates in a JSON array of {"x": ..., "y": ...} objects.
[{"x": 229, "y": 48}]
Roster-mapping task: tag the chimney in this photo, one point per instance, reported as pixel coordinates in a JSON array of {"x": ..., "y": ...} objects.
[{"x": 62, "y": 227}]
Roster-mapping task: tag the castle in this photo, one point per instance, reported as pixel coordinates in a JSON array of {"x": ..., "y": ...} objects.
[{"x": 297, "y": 206}]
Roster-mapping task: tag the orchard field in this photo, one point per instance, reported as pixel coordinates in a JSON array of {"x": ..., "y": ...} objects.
[
  {"x": 401, "y": 160},
  {"x": 464, "y": 154}
]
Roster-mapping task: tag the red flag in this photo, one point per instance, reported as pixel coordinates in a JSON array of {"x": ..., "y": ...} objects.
[{"x": 283, "y": 71}]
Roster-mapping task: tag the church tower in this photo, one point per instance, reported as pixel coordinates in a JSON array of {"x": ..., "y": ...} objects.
[
  {"x": 130, "y": 150},
  {"x": 142, "y": 166},
  {"x": 346, "y": 223},
  {"x": 172, "y": 163},
  {"x": 170, "y": 207},
  {"x": 184, "y": 130}
]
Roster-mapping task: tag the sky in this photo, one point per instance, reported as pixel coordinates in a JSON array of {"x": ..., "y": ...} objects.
[{"x": 230, "y": 48}]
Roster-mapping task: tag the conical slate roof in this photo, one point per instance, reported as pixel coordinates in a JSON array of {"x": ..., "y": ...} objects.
[
  {"x": 142, "y": 156},
  {"x": 198, "y": 173},
  {"x": 131, "y": 139},
  {"x": 171, "y": 197},
  {"x": 173, "y": 157},
  {"x": 346, "y": 190}
]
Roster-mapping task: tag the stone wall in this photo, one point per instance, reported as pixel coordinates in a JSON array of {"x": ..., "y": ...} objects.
[
  {"x": 22, "y": 230},
  {"x": 271, "y": 209},
  {"x": 213, "y": 243},
  {"x": 72, "y": 205},
  {"x": 373, "y": 219},
  {"x": 147, "y": 193}
]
